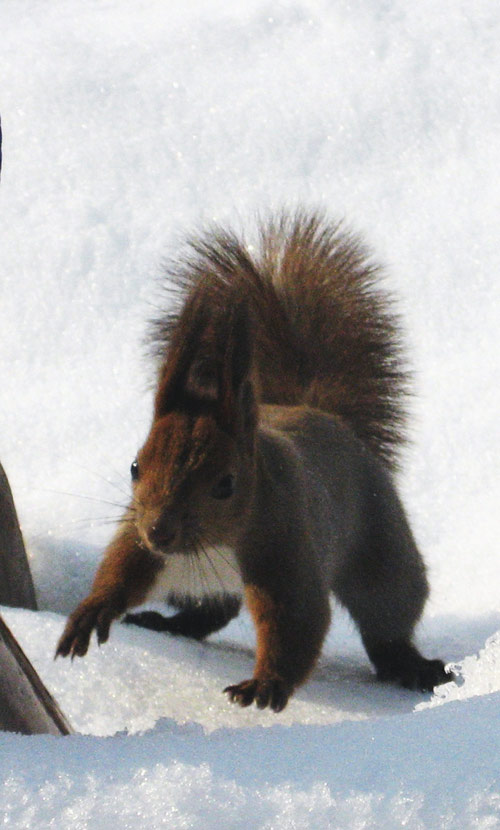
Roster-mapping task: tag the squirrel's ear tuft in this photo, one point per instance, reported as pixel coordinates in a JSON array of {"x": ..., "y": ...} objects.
[
  {"x": 222, "y": 360},
  {"x": 209, "y": 362},
  {"x": 185, "y": 368}
]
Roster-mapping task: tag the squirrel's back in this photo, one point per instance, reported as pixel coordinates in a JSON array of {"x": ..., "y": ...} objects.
[{"x": 324, "y": 333}]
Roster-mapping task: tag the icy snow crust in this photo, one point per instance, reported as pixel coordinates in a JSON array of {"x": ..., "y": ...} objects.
[{"x": 125, "y": 126}]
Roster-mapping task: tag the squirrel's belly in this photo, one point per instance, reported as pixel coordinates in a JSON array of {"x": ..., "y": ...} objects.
[{"x": 209, "y": 572}]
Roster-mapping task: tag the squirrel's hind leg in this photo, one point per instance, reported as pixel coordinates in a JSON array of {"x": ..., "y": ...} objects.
[
  {"x": 386, "y": 629},
  {"x": 196, "y": 619},
  {"x": 384, "y": 587}
]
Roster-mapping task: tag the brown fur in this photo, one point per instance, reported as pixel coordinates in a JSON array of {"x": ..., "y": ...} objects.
[
  {"x": 323, "y": 332},
  {"x": 277, "y": 416}
]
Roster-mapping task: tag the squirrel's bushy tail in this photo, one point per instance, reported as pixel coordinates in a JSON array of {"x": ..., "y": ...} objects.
[{"x": 324, "y": 332}]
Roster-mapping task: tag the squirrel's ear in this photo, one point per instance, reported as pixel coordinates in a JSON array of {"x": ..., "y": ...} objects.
[
  {"x": 209, "y": 361},
  {"x": 202, "y": 377},
  {"x": 186, "y": 370}
]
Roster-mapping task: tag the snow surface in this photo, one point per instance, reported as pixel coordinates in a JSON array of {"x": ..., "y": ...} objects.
[{"x": 125, "y": 125}]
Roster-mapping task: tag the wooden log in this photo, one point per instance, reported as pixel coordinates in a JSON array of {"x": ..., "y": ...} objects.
[
  {"x": 16, "y": 584},
  {"x": 26, "y": 705}
]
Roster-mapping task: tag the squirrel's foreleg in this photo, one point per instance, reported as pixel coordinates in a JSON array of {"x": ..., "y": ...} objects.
[
  {"x": 288, "y": 645},
  {"x": 123, "y": 579}
]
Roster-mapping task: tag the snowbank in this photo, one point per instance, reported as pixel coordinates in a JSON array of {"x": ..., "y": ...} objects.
[
  {"x": 125, "y": 125},
  {"x": 406, "y": 771}
]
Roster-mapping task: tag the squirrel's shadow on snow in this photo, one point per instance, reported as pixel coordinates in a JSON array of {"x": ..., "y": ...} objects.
[
  {"x": 75, "y": 560},
  {"x": 344, "y": 680},
  {"x": 448, "y": 637}
]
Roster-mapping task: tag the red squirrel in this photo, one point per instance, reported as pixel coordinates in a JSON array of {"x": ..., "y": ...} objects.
[{"x": 267, "y": 475}]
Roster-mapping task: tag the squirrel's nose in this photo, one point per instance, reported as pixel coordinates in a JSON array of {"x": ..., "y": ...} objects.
[{"x": 162, "y": 533}]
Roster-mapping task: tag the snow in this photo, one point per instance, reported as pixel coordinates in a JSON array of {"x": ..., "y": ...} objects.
[{"x": 126, "y": 125}]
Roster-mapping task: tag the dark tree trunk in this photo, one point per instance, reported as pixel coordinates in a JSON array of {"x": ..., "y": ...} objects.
[
  {"x": 16, "y": 584},
  {"x": 26, "y": 705}
]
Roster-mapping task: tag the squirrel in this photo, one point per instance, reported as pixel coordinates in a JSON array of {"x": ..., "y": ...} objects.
[{"x": 268, "y": 472}]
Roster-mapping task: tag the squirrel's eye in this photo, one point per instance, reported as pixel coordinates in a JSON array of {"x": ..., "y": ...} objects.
[
  {"x": 134, "y": 470},
  {"x": 224, "y": 488}
]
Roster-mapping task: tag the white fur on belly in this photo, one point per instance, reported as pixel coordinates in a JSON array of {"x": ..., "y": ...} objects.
[{"x": 211, "y": 572}]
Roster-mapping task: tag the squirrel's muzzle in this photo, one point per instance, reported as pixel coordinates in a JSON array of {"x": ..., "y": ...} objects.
[{"x": 163, "y": 533}]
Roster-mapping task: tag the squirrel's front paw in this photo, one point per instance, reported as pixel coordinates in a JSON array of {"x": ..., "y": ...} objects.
[
  {"x": 91, "y": 614},
  {"x": 271, "y": 692}
]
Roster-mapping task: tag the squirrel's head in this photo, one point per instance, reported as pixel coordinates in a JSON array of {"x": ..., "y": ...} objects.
[{"x": 193, "y": 478}]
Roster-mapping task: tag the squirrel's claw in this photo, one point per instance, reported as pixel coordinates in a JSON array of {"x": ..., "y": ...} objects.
[
  {"x": 75, "y": 639},
  {"x": 271, "y": 692},
  {"x": 90, "y": 615}
]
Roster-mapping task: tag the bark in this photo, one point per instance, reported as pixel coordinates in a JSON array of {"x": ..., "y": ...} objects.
[
  {"x": 26, "y": 705},
  {"x": 16, "y": 584}
]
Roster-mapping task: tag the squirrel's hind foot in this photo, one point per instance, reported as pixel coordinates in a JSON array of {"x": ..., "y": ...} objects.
[
  {"x": 402, "y": 663},
  {"x": 196, "y": 619}
]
